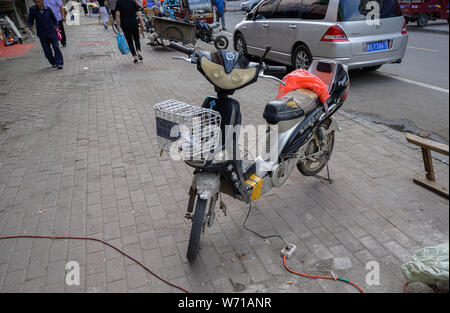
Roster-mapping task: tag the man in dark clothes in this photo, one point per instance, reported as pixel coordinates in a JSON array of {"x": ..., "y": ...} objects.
[{"x": 46, "y": 25}]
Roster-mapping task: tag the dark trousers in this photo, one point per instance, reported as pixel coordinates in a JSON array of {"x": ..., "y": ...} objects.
[
  {"x": 54, "y": 57},
  {"x": 85, "y": 9},
  {"x": 63, "y": 32},
  {"x": 132, "y": 34}
]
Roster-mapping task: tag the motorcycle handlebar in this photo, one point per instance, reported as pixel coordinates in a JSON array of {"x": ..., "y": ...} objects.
[
  {"x": 270, "y": 69},
  {"x": 181, "y": 48}
]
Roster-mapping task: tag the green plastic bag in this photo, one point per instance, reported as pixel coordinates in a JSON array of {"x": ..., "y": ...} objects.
[{"x": 428, "y": 265}]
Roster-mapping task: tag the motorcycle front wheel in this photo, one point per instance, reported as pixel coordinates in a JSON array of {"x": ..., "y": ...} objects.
[
  {"x": 196, "y": 230},
  {"x": 312, "y": 166}
]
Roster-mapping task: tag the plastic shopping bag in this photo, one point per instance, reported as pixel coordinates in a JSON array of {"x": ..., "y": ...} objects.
[
  {"x": 428, "y": 265},
  {"x": 299, "y": 79},
  {"x": 122, "y": 43},
  {"x": 58, "y": 34}
]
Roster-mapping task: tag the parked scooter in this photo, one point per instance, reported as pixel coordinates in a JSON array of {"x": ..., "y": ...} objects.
[{"x": 305, "y": 137}]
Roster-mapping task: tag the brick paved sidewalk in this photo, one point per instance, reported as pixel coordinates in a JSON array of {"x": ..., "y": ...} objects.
[{"x": 78, "y": 145}]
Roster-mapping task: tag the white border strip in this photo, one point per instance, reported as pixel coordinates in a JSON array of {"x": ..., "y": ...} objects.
[{"x": 410, "y": 81}]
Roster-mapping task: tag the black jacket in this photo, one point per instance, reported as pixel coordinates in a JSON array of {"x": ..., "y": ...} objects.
[{"x": 46, "y": 22}]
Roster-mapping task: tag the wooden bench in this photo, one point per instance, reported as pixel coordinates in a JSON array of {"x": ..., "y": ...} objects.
[{"x": 427, "y": 145}]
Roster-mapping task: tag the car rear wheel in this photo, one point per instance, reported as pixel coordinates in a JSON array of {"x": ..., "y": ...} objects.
[
  {"x": 422, "y": 20},
  {"x": 240, "y": 45},
  {"x": 301, "y": 58}
]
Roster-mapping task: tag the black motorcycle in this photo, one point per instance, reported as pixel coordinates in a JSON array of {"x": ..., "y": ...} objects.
[
  {"x": 300, "y": 133},
  {"x": 205, "y": 32}
]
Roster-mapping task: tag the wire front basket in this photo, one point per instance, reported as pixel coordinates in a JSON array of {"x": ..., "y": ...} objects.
[{"x": 188, "y": 131}]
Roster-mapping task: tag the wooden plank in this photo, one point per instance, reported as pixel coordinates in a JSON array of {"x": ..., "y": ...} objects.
[
  {"x": 427, "y": 143},
  {"x": 428, "y": 163},
  {"x": 431, "y": 185}
]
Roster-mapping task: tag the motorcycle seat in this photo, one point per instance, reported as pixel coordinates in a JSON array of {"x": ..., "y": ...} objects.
[{"x": 294, "y": 104}]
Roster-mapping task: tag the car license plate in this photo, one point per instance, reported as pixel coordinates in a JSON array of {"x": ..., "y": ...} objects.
[{"x": 376, "y": 46}]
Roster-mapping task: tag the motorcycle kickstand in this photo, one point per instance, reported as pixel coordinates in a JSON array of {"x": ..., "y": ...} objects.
[{"x": 328, "y": 178}]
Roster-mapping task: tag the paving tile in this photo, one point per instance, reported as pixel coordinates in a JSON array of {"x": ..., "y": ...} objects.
[{"x": 82, "y": 146}]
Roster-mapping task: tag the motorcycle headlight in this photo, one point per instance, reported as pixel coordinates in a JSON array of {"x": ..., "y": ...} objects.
[{"x": 216, "y": 73}]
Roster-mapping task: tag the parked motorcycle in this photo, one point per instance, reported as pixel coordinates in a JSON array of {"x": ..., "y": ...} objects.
[
  {"x": 204, "y": 32},
  {"x": 305, "y": 136}
]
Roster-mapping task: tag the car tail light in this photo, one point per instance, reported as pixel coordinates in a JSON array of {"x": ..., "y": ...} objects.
[
  {"x": 334, "y": 34},
  {"x": 404, "y": 32}
]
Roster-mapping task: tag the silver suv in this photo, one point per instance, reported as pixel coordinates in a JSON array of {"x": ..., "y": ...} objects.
[{"x": 343, "y": 30}]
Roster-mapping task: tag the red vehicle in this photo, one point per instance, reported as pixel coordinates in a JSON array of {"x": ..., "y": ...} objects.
[{"x": 422, "y": 11}]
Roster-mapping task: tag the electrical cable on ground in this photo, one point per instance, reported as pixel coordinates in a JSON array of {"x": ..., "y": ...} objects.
[
  {"x": 322, "y": 277},
  {"x": 103, "y": 242},
  {"x": 254, "y": 232},
  {"x": 284, "y": 257}
]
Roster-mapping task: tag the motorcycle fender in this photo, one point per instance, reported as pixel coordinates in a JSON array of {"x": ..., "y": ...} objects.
[{"x": 207, "y": 184}]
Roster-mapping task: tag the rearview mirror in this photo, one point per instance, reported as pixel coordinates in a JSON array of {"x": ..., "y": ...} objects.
[{"x": 250, "y": 16}]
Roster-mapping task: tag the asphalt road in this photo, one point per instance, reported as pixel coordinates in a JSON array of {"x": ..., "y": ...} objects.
[{"x": 411, "y": 96}]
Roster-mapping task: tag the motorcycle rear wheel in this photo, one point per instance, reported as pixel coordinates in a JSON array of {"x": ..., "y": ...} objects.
[
  {"x": 196, "y": 230},
  {"x": 221, "y": 42},
  {"x": 313, "y": 167}
]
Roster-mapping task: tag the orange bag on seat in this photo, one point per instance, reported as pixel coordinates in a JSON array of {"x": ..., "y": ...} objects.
[{"x": 299, "y": 79}]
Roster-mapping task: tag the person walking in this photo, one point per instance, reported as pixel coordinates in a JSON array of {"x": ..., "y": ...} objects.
[
  {"x": 127, "y": 14},
  {"x": 103, "y": 13},
  {"x": 220, "y": 8},
  {"x": 46, "y": 25},
  {"x": 84, "y": 5},
  {"x": 57, "y": 8}
]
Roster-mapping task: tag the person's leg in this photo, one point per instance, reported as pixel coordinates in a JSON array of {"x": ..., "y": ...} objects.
[
  {"x": 104, "y": 15},
  {"x": 58, "y": 55},
  {"x": 222, "y": 19},
  {"x": 85, "y": 9},
  {"x": 45, "y": 43},
  {"x": 63, "y": 33},
  {"x": 137, "y": 42},
  {"x": 129, "y": 37}
]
